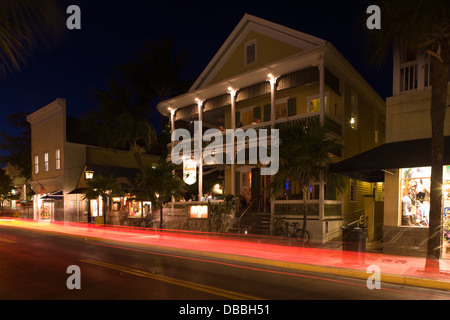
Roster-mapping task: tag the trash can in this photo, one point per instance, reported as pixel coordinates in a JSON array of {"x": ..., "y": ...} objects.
[{"x": 354, "y": 238}]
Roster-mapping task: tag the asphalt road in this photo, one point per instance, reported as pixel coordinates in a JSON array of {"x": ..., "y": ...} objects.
[{"x": 38, "y": 265}]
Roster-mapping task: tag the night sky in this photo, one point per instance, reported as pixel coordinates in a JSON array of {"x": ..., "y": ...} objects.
[{"x": 113, "y": 31}]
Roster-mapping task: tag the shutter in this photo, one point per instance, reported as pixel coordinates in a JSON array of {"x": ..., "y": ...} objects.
[
  {"x": 267, "y": 110},
  {"x": 256, "y": 113},
  {"x": 237, "y": 118},
  {"x": 237, "y": 182},
  {"x": 292, "y": 107},
  {"x": 256, "y": 182}
]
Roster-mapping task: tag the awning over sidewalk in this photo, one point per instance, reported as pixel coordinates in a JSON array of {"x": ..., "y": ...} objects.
[
  {"x": 53, "y": 195},
  {"x": 371, "y": 165},
  {"x": 78, "y": 190}
]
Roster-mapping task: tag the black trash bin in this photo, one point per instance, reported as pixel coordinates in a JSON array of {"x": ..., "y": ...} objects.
[{"x": 354, "y": 238}]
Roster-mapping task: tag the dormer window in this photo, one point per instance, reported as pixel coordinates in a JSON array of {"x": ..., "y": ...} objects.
[{"x": 250, "y": 52}]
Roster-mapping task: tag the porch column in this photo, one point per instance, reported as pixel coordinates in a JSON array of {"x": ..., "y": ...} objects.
[
  {"x": 272, "y": 81},
  {"x": 172, "y": 143},
  {"x": 321, "y": 200},
  {"x": 233, "y": 126},
  {"x": 200, "y": 139},
  {"x": 322, "y": 90}
]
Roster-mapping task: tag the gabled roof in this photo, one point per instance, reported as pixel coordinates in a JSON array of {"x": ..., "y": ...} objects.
[{"x": 247, "y": 24}]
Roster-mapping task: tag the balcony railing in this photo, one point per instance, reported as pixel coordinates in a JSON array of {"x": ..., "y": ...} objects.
[
  {"x": 332, "y": 124},
  {"x": 408, "y": 76},
  {"x": 332, "y": 208}
]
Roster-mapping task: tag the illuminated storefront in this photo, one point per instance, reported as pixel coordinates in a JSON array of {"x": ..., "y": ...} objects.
[
  {"x": 48, "y": 206},
  {"x": 128, "y": 204},
  {"x": 406, "y": 176},
  {"x": 139, "y": 209},
  {"x": 415, "y": 200},
  {"x": 415, "y": 187}
]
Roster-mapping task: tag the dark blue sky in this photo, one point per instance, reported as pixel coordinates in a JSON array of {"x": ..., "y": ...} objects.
[{"x": 113, "y": 31}]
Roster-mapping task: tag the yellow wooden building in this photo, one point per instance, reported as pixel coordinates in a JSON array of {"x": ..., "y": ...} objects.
[{"x": 265, "y": 74}]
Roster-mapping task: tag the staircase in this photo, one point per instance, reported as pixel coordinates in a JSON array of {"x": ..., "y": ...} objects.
[{"x": 255, "y": 224}]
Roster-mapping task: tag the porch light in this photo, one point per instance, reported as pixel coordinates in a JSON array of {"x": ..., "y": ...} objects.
[
  {"x": 353, "y": 122},
  {"x": 88, "y": 174},
  {"x": 272, "y": 80}
]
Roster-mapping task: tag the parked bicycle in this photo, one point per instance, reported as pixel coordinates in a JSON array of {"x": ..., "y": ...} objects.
[{"x": 290, "y": 230}]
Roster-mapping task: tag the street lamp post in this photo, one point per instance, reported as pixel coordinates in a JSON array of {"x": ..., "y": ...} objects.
[{"x": 89, "y": 175}]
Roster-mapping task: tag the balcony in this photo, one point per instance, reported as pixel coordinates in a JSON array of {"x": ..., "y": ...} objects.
[
  {"x": 296, "y": 208},
  {"x": 333, "y": 125},
  {"x": 408, "y": 76}
]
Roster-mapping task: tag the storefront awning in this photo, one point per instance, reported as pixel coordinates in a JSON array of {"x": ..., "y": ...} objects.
[
  {"x": 78, "y": 190},
  {"x": 371, "y": 165},
  {"x": 53, "y": 195}
]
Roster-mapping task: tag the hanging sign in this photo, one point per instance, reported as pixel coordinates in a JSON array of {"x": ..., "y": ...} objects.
[{"x": 189, "y": 171}]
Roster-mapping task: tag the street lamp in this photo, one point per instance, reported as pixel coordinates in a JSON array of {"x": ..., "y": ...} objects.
[{"x": 88, "y": 174}]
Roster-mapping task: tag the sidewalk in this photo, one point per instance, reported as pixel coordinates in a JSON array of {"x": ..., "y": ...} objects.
[{"x": 394, "y": 269}]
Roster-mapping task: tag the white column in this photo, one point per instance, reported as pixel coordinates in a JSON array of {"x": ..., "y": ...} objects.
[
  {"x": 322, "y": 91},
  {"x": 321, "y": 200},
  {"x": 272, "y": 81},
  {"x": 322, "y": 122},
  {"x": 233, "y": 126},
  {"x": 200, "y": 139},
  {"x": 172, "y": 143},
  {"x": 172, "y": 125}
]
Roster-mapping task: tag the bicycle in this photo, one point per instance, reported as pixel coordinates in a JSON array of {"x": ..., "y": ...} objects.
[{"x": 284, "y": 230}]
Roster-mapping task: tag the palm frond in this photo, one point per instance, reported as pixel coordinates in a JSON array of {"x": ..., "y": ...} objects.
[{"x": 27, "y": 26}]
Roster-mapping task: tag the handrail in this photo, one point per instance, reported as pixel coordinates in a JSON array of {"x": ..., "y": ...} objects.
[
  {"x": 239, "y": 219},
  {"x": 360, "y": 221},
  {"x": 248, "y": 207}
]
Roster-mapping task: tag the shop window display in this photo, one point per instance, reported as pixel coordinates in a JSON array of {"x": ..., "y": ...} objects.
[
  {"x": 446, "y": 202},
  {"x": 415, "y": 196}
]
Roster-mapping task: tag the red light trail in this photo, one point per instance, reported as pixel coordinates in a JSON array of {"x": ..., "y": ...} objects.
[{"x": 244, "y": 247}]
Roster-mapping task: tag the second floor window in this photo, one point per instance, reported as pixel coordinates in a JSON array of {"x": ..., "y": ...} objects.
[
  {"x": 36, "y": 164},
  {"x": 250, "y": 52},
  {"x": 314, "y": 103},
  {"x": 247, "y": 116},
  {"x": 281, "y": 110},
  {"x": 353, "y": 190},
  {"x": 354, "y": 111},
  {"x": 46, "y": 161},
  {"x": 58, "y": 159}
]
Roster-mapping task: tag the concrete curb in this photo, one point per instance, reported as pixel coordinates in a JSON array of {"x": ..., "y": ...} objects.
[{"x": 351, "y": 273}]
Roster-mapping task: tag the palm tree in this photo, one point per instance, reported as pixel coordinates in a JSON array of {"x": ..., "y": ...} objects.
[
  {"x": 305, "y": 158},
  {"x": 156, "y": 71},
  {"x": 6, "y": 185},
  {"x": 156, "y": 75},
  {"x": 422, "y": 26},
  {"x": 122, "y": 119},
  {"x": 17, "y": 148},
  {"x": 160, "y": 184},
  {"x": 104, "y": 187},
  {"x": 25, "y": 27}
]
